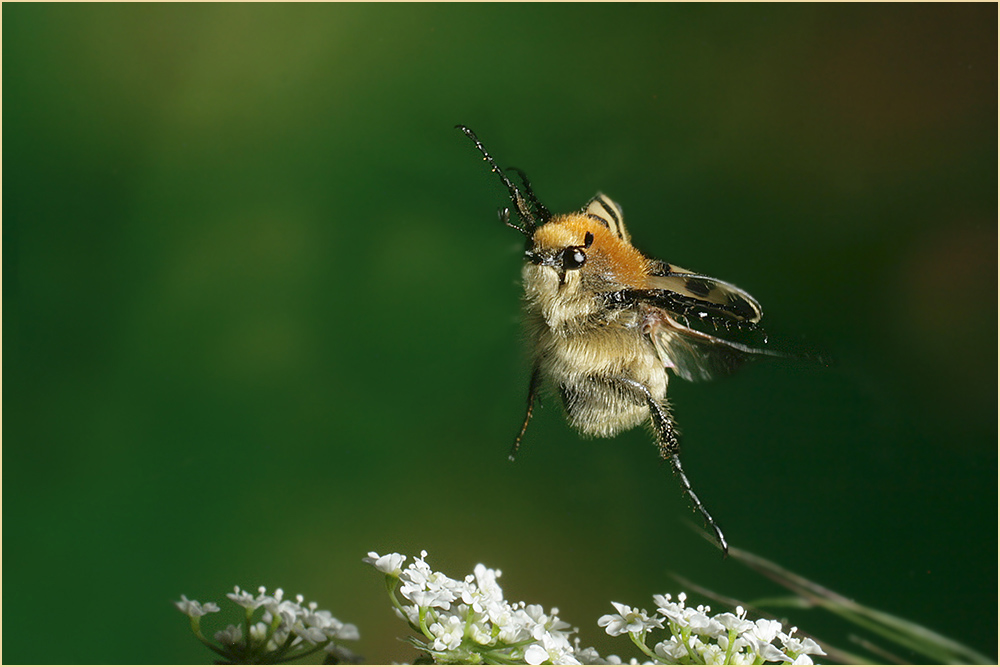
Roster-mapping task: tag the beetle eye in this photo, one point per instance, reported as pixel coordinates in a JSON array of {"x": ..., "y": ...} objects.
[{"x": 573, "y": 258}]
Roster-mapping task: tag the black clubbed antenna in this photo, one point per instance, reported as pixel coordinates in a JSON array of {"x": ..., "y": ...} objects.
[{"x": 523, "y": 201}]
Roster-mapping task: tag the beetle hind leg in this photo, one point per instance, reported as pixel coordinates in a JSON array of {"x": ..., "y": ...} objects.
[{"x": 666, "y": 438}]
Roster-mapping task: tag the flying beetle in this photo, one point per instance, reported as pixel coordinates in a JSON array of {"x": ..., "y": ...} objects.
[{"x": 608, "y": 325}]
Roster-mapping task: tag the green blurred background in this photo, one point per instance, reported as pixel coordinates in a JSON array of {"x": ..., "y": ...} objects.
[{"x": 260, "y": 317}]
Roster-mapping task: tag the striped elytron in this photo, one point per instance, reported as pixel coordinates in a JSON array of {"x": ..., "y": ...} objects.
[{"x": 607, "y": 323}]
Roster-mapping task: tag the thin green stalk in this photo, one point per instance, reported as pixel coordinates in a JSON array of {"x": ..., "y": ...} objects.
[{"x": 639, "y": 639}]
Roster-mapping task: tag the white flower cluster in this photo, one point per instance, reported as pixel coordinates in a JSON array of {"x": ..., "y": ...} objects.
[
  {"x": 286, "y": 630},
  {"x": 697, "y": 638},
  {"x": 469, "y": 621}
]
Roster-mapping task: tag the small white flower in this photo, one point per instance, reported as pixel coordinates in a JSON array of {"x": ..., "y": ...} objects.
[
  {"x": 771, "y": 653},
  {"x": 286, "y": 610},
  {"x": 426, "y": 588},
  {"x": 232, "y": 635},
  {"x": 703, "y": 625},
  {"x": 587, "y": 656},
  {"x": 628, "y": 620},
  {"x": 425, "y": 598},
  {"x": 671, "y": 650},
  {"x": 346, "y": 632},
  {"x": 418, "y": 571},
  {"x": 551, "y": 648},
  {"x": 764, "y": 630},
  {"x": 311, "y": 635},
  {"x": 486, "y": 579},
  {"x": 390, "y": 564},
  {"x": 737, "y": 623},
  {"x": 712, "y": 654},
  {"x": 535, "y": 655},
  {"x": 195, "y": 609},
  {"x": 512, "y": 623},
  {"x": 478, "y": 627},
  {"x": 448, "y": 633},
  {"x": 243, "y": 599},
  {"x": 318, "y": 618},
  {"x": 799, "y": 647},
  {"x": 258, "y": 631}
]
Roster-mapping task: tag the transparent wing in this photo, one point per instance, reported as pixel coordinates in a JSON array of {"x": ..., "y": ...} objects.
[
  {"x": 702, "y": 327},
  {"x": 696, "y": 355}
]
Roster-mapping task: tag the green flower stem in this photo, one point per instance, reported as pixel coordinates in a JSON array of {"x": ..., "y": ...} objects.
[
  {"x": 423, "y": 623},
  {"x": 639, "y": 639},
  {"x": 196, "y": 628},
  {"x": 390, "y": 585},
  {"x": 491, "y": 658},
  {"x": 471, "y": 614},
  {"x": 685, "y": 635},
  {"x": 247, "y": 624},
  {"x": 275, "y": 622},
  {"x": 731, "y": 647}
]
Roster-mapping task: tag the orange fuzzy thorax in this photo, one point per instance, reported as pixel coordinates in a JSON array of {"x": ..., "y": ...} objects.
[{"x": 607, "y": 255}]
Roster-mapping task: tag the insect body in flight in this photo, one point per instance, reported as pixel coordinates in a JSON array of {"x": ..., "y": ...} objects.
[{"x": 607, "y": 323}]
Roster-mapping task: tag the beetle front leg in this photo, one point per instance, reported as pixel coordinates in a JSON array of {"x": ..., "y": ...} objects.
[{"x": 536, "y": 376}]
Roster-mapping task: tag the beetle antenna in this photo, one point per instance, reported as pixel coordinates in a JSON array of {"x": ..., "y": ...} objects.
[
  {"x": 516, "y": 196},
  {"x": 544, "y": 215}
]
